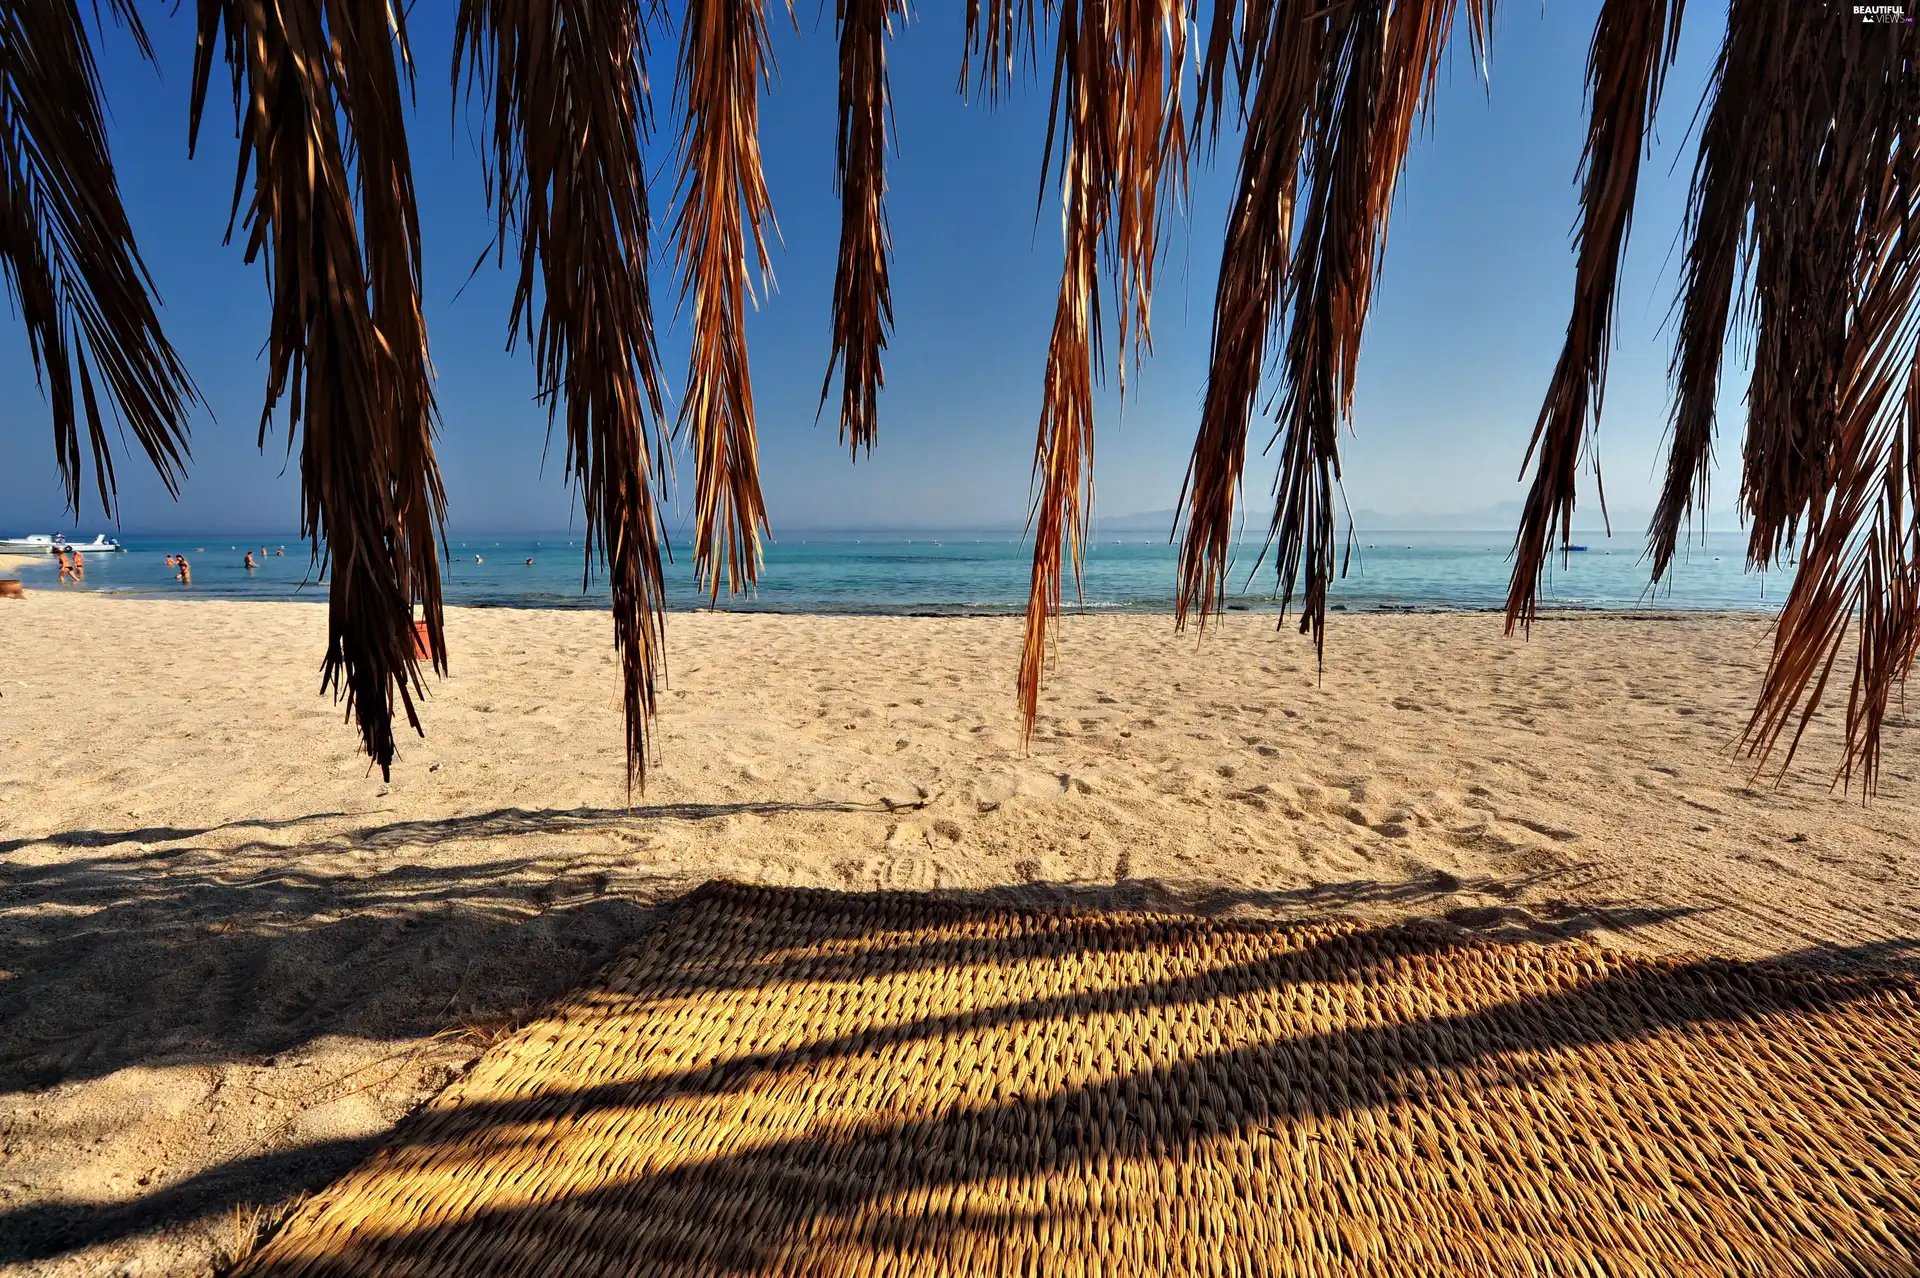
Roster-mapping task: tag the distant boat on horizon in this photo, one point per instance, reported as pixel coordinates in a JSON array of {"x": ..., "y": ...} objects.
[{"x": 45, "y": 544}]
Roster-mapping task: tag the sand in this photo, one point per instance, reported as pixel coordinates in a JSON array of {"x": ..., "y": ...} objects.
[{"x": 230, "y": 958}]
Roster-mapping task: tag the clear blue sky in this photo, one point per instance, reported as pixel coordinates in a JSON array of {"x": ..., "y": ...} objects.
[{"x": 1465, "y": 328}]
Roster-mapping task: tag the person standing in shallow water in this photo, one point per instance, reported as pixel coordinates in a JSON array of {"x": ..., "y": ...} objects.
[
  {"x": 250, "y": 565},
  {"x": 79, "y": 567},
  {"x": 66, "y": 569},
  {"x": 185, "y": 574}
]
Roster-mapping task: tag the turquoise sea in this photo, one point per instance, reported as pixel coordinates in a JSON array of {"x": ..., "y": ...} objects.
[{"x": 963, "y": 572}]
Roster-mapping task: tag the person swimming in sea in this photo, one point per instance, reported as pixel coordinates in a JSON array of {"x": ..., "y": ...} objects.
[
  {"x": 529, "y": 563},
  {"x": 169, "y": 561},
  {"x": 279, "y": 552}
]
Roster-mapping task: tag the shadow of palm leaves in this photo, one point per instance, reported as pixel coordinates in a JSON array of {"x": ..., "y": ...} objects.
[
  {"x": 889, "y": 1187},
  {"x": 1478, "y": 1049},
  {"x": 295, "y": 952},
  {"x": 498, "y": 823}
]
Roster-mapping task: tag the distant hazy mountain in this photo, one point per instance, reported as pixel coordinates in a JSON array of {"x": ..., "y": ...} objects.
[
  {"x": 1500, "y": 517},
  {"x": 1503, "y": 516},
  {"x": 1629, "y": 524},
  {"x": 1144, "y": 521}
]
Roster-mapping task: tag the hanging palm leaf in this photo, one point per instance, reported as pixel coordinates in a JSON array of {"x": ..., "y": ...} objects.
[
  {"x": 1338, "y": 89},
  {"x": 67, "y": 252},
  {"x": 346, "y": 345},
  {"x": 862, "y": 296},
  {"x": 723, "y": 57},
  {"x": 1834, "y": 406},
  {"x": 1633, "y": 44},
  {"x": 1255, "y": 261},
  {"x": 1008, "y": 29},
  {"x": 1718, "y": 204},
  {"x": 1117, "y": 74},
  {"x": 567, "y": 80}
]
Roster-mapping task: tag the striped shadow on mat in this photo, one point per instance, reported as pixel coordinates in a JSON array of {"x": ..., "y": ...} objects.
[{"x": 804, "y": 1082}]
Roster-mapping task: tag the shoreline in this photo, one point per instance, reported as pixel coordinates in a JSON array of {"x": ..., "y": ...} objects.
[{"x": 1564, "y": 612}]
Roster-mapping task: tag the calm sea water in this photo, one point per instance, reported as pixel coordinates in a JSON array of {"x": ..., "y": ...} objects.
[{"x": 972, "y": 572}]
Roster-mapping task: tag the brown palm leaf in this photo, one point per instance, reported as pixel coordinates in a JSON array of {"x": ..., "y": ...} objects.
[
  {"x": 862, "y": 297},
  {"x": 1255, "y": 262},
  {"x": 1633, "y": 44},
  {"x": 1009, "y": 29},
  {"x": 723, "y": 58},
  {"x": 68, "y": 255},
  {"x": 1338, "y": 90},
  {"x": 567, "y": 81},
  {"x": 1717, "y": 209},
  {"x": 319, "y": 95},
  {"x": 1834, "y": 419},
  {"x": 1117, "y": 73}
]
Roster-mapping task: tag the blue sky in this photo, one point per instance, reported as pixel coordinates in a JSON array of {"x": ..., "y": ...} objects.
[{"x": 1466, "y": 324}]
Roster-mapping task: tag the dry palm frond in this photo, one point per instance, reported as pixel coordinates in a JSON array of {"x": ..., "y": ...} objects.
[
  {"x": 1009, "y": 29},
  {"x": 723, "y": 58},
  {"x": 1717, "y": 210},
  {"x": 1834, "y": 409},
  {"x": 68, "y": 256},
  {"x": 862, "y": 297},
  {"x": 567, "y": 80},
  {"x": 1240, "y": 34},
  {"x": 1255, "y": 260},
  {"x": 1337, "y": 93},
  {"x": 1118, "y": 75},
  {"x": 1633, "y": 44},
  {"x": 347, "y": 346}
]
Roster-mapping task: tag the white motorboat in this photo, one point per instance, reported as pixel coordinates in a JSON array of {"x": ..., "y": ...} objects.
[{"x": 42, "y": 544}]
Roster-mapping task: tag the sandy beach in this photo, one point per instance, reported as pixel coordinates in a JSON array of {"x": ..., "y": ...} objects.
[{"x": 231, "y": 958}]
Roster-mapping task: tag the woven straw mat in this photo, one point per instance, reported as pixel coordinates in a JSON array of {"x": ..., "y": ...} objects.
[{"x": 805, "y": 1082}]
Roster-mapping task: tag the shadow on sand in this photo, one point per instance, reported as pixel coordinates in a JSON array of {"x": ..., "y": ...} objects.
[{"x": 170, "y": 955}]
